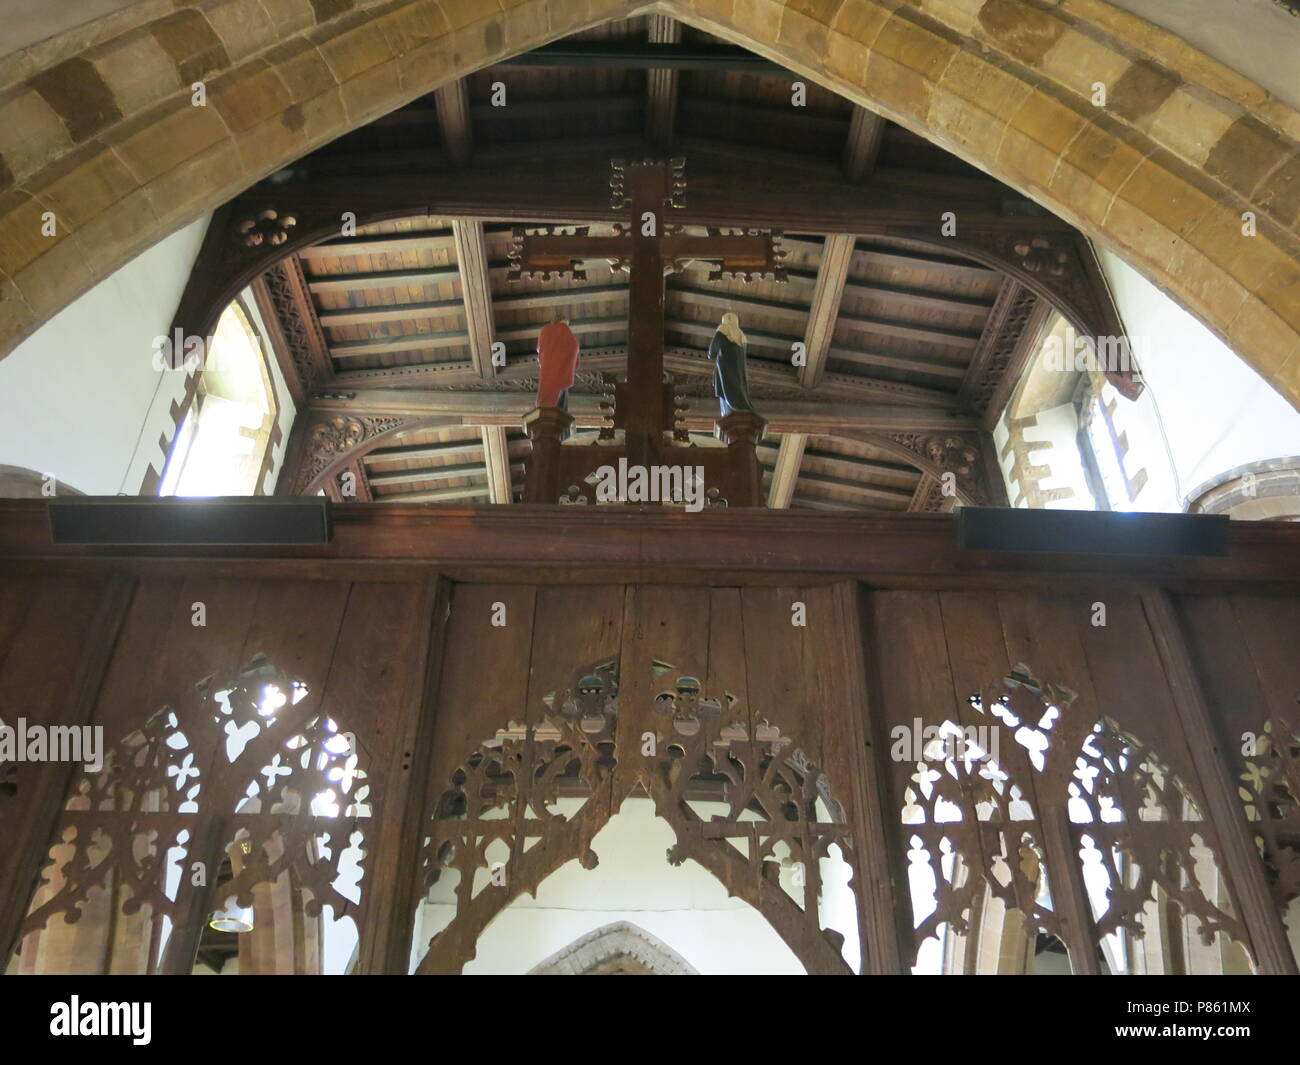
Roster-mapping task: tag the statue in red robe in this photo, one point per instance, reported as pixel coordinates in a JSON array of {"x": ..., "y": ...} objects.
[{"x": 557, "y": 353}]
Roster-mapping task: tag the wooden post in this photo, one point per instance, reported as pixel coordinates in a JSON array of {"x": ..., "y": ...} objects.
[
  {"x": 1069, "y": 893},
  {"x": 882, "y": 927},
  {"x": 1243, "y": 865},
  {"x": 648, "y": 190},
  {"x": 741, "y": 430},
  {"x": 385, "y": 940},
  {"x": 547, "y": 428}
]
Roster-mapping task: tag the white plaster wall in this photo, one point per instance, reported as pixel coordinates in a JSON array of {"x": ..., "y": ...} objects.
[
  {"x": 80, "y": 398},
  {"x": 1253, "y": 37},
  {"x": 684, "y": 906},
  {"x": 1216, "y": 412}
]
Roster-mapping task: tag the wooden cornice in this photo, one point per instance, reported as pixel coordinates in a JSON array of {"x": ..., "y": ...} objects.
[
  {"x": 662, "y": 544},
  {"x": 296, "y": 337},
  {"x": 1013, "y": 327}
]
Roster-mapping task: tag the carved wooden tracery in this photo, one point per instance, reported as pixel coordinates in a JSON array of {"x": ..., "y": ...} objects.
[
  {"x": 241, "y": 763},
  {"x": 1270, "y": 790},
  {"x": 779, "y": 809},
  {"x": 975, "y": 823}
]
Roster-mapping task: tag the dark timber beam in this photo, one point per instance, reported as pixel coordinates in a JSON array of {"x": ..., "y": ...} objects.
[
  {"x": 452, "y": 103},
  {"x": 661, "y": 85},
  {"x": 785, "y": 471},
  {"x": 440, "y": 495},
  {"x": 476, "y": 291},
  {"x": 828, "y": 291},
  {"x": 646, "y": 55},
  {"x": 508, "y": 408},
  {"x": 862, "y": 145},
  {"x": 681, "y": 361},
  {"x": 496, "y": 454},
  {"x": 563, "y": 182}
]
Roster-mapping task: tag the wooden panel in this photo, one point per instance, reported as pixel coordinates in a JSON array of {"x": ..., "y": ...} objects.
[
  {"x": 162, "y": 653},
  {"x": 1131, "y": 684},
  {"x": 1043, "y": 633},
  {"x": 484, "y": 682},
  {"x": 51, "y": 664},
  {"x": 574, "y": 626}
]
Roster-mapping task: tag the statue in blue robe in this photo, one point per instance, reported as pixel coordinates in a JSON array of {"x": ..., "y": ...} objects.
[{"x": 727, "y": 350}]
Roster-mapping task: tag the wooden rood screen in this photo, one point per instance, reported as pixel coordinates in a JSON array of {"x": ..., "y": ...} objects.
[{"x": 1012, "y": 769}]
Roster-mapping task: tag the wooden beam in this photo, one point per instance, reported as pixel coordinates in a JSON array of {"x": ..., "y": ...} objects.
[
  {"x": 383, "y": 279},
  {"x": 957, "y": 338},
  {"x": 874, "y": 493},
  {"x": 856, "y": 464},
  {"x": 646, "y": 55},
  {"x": 476, "y": 291},
  {"x": 661, "y": 85},
  {"x": 959, "y": 269},
  {"x": 893, "y": 361},
  {"x": 405, "y": 312},
  {"x": 732, "y": 111},
  {"x": 508, "y": 408},
  {"x": 786, "y": 470},
  {"x": 342, "y": 247},
  {"x": 679, "y": 360},
  {"x": 664, "y": 545},
  {"x": 1010, "y": 334},
  {"x": 862, "y": 145},
  {"x": 452, "y": 338},
  {"x": 452, "y": 102},
  {"x": 792, "y": 312},
  {"x": 569, "y": 106},
  {"x": 496, "y": 456},
  {"x": 525, "y": 301},
  {"x": 439, "y": 495},
  {"x": 469, "y": 470},
  {"x": 832, "y": 273},
  {"x": 472, "y": 449}
]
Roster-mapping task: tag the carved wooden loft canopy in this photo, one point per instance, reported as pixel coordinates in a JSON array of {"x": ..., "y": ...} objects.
[{"x": 913, "y": 333}]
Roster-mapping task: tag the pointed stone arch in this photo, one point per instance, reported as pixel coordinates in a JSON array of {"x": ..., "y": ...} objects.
[
  {"x": 620, "y": 939},
  {"x": 992, "y": 81}
]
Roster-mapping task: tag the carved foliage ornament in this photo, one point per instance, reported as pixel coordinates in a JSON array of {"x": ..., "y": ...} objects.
[
  {"x": 1270, "y": 790},
  {"x": 744, "y": 801},
  {"x": 266, "y": 227},
  {"x": 333, "y": 436}
]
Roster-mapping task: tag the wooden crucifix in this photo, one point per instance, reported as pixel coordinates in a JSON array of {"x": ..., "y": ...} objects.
[{"x": 648, "y": 247}]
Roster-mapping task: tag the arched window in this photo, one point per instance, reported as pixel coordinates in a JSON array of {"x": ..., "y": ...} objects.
[{"x": 223, "y": 444}]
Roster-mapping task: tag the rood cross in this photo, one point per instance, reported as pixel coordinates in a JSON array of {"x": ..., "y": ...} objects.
[{"x": 648, "y": 248}]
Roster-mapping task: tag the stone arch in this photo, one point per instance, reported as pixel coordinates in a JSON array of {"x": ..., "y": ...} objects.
[
  {"x": 18, "y": 482},
  {"x": 1162, "y": 175},
  {"x": 621, "y": 938}
]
